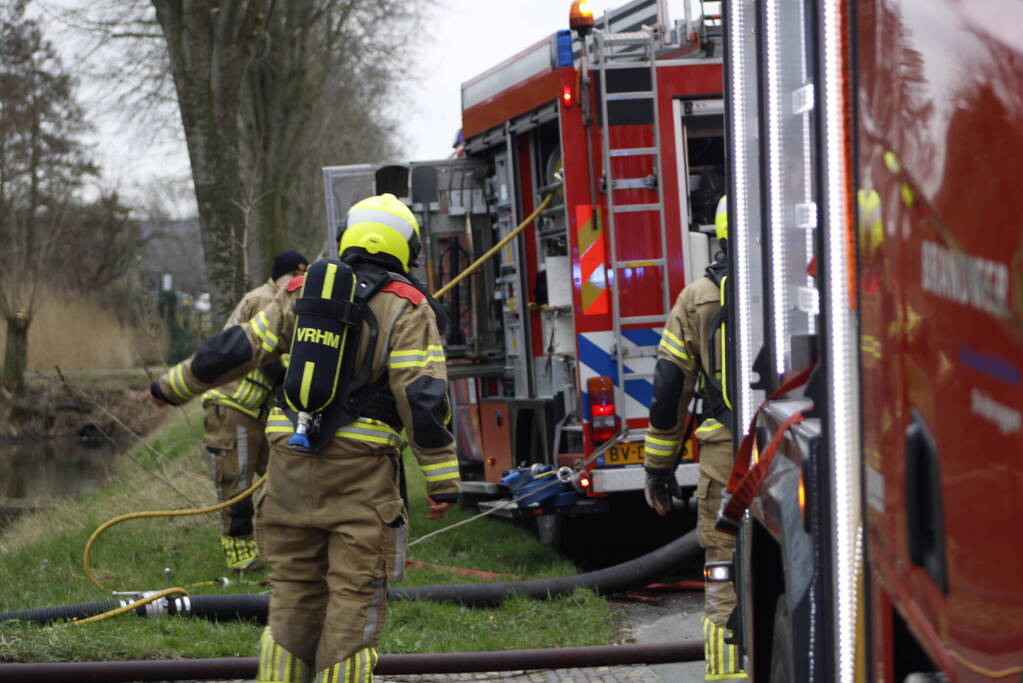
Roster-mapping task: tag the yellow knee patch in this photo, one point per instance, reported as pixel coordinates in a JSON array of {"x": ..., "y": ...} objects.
[
  {"x": 723, "y": 660},
  {"x": 277, "y": 665},
  {"x": 358, "y": 668}
]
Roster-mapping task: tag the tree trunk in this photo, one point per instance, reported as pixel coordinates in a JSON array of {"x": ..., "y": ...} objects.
[
  {"x": 16, "y": 354},
  {"x": 208, "y": 47}
]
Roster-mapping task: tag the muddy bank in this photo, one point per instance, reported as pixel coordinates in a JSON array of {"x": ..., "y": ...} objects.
[
  {"x": 84, "y": 404},
  {"x": 62, "y": 438}
]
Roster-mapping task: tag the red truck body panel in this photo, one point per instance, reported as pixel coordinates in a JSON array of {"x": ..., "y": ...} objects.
[{"x": 940, "y": 140}]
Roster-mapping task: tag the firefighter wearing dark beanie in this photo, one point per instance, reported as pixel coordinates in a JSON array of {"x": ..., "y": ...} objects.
[
  {"x": 235, "y": 419},
  {"x": 288, "y": 262}
]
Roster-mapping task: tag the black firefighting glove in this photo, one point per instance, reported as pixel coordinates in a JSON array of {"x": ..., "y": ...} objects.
[{"x": 660, "y": 488}]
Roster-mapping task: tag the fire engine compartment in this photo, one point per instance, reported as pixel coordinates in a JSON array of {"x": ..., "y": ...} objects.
[{"x": 536, "y": 324}]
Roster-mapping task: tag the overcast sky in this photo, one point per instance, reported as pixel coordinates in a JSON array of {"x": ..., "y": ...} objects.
[
  {"x": 468, "y": 37},
  {"x": 465, "y": 38}
]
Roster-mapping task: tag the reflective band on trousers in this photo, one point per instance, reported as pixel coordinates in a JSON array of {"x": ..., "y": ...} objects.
[
  {"x": 364, "y": 429},
  {"x": 722, "y": 659},
  {"x": 356, "y": 669},
  {"x": 441, "y": 471},
  {"x": 279, "y": 665},
  {"x": 239, "y": 552},
  {"x": 416, "y": 358},
  {"x": 673, "y": 345},
  {"x": 655, "y": 446}
]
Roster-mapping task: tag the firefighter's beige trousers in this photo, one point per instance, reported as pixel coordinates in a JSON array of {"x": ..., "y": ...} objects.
[
  {"x": 237, "y": 451},
  {"x": 715, "y": 467},
  {"x": 333, "y": 527}
]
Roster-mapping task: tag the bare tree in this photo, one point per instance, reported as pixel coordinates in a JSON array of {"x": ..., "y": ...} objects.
[
  {"x": 210, "y": 45},
  {"x": 42, "y": 162},
  {"x": 320, "y": 93},
  {"x": 100, "y": 243},
  {"x": 267, "y": 92}
]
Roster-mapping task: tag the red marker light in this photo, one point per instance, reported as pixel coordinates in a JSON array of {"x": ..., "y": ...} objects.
[
  {"x": 602, "y": 408},
  {"x": 584, "y": 482},
  {"x": 567, "y": 96}
]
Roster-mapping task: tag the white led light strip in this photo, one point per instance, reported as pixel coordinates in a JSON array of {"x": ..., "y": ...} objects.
[
  {"x": 842, "y": 366},
  {"x": 779, "y": 295},
  {"x": 740, "y": 227}
]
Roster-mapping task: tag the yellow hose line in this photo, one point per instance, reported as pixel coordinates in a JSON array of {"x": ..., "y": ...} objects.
[
  {"x": 86, "y": 566},
  {"x": 130, "y": 606},
  {"x": 494, "y": 249}
]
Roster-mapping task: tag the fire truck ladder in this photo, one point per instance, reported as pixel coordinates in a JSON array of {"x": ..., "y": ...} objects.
[{"x": 631, "y": 51}]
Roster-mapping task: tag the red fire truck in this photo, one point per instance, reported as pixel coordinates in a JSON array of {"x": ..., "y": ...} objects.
[
  {"x": 552, "y": 343},
  {"x": 875, "y": 149}
]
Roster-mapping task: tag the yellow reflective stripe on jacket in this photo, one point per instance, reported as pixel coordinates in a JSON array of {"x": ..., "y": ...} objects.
[
  {"x": 176, "y": 376},
  {"x": 710, "y": 425},
  {"x": 249, "y": 397},
  {"x": 372, "y": 431},
  {"x": 655, "y": 446},
  {"x": 214, "y": 396},
  {"x": 441, "y": 471},
  {"x": 673, "y": 345},
  {"x": 363, "y": 429},
  {"x": 278, "y": 423},
  {"x": 261, "y": 326},
  {"x": 416, "y": 358}
]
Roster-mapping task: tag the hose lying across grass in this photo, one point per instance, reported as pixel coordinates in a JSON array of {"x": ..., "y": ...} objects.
[{"x": 616, "y": 579}]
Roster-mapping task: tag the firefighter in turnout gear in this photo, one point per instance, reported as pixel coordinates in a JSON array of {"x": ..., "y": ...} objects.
[
  {"x": 234, "y": 418},
  {"x": 691, "y": 359},
  {"x": 332, "y": 524}
]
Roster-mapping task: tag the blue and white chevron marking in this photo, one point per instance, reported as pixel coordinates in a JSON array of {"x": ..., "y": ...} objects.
[{"x": 640, "y": 349}]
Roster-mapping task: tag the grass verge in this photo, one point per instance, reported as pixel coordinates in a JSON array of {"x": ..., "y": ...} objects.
[{"x": 41, "y": 565}]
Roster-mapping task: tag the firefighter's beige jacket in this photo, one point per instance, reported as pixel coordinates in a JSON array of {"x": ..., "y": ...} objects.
[
  {"x": 408, "y": 349},
  {"x": 684, "y": 343},
  {"x": 250, "y": 393}
]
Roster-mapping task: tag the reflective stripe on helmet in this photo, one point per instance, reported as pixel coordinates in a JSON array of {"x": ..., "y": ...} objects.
[
  {"x": 386, "y": 218},
  {"x": 721, "y": 219},
  {"x": 381, "y": 225}
]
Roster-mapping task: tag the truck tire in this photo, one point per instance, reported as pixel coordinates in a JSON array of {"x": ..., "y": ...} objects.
[{"x": 781, "y": 643}]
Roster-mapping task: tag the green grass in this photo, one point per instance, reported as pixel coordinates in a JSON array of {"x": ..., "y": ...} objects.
[{"x": 41, "y": 558}]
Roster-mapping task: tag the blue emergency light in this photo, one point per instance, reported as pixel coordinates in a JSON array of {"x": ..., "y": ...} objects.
[{"x": 564, "y": 52}]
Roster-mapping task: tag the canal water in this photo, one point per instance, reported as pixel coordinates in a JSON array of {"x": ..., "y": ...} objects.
[{"x": 36, "y": 472}]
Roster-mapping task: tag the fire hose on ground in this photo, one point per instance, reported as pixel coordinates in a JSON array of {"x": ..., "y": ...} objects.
[
  {"x": 446, "y": 663},
  {"x": 610, "y": 580}
]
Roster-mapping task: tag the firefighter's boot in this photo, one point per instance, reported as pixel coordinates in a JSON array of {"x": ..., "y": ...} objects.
[
  {"x": 357, "y": 668},
  {"x": 277, "y": 665},
  {"x": 723, "y": 659},
  {"x": 241, "y": 554}
]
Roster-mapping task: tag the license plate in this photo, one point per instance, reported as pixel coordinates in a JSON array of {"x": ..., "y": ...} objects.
[{"x": 628, "y": 453}]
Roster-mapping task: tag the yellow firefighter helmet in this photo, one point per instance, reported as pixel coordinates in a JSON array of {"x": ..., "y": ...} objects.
[
  {"x": 721, "y": 218},
  {"x": 379, "y": 227}
]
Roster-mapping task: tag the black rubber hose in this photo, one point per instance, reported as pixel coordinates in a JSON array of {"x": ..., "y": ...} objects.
[
  {"x": 448, "y": 662},
  {"x": 637, "y": 572},
  {"x": 46, "y": 615},
  {"x": 616, "y": 579},
  {"x": 226, "y": 607}
]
